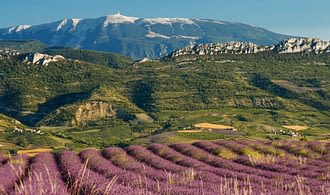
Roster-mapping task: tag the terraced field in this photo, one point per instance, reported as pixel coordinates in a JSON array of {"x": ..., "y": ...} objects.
[{"x": 222, "y": 167}]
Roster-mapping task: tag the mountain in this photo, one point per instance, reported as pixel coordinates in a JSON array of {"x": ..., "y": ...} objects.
[{"x": 139, "y": 37}]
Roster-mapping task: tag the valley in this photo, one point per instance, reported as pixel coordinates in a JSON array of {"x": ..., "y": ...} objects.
[
  {"x": 164, "y": 97},
  {"x": 98, "y": 99}
]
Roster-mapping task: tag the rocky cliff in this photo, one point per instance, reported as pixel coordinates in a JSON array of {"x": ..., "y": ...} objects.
[
  {"x": 296, "y": 45},
  {"x": 291, "y": 45},
  {"x": 43, "y": 59}
]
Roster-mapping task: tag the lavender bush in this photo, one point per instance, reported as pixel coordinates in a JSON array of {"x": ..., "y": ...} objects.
[
  {"x": 12, "y": 171},
  {"x": 43, "y": 177}
]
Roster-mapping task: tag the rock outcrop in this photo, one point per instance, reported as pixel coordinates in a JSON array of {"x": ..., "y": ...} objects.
[
  {"x": 232, "y": 47},
  {"x": 43, "y": 59},
  {"x": 7, "y": 53},
  {"x": 297, "y": 45},
  {"x": 291, "y": 45},
  {"x": 92, "y": 111}
]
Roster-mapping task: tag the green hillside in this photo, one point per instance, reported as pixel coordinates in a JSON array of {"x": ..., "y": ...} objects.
[
  {"x": 110, "y": 100},
  {"x": 23, "y": 46},
  {"x": 112, "y": 60}
]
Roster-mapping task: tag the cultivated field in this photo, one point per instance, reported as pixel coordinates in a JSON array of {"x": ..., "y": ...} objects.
[
  {"x": 33, "y": 152},
  {"x": 222, "y": 167},
  {"x": 296, "y": 127},
  {"x": 212, "y": 126}
]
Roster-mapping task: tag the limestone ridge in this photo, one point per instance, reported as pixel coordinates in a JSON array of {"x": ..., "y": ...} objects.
[
  {"x": 7, "y": 53},
  {"x": 232, "y": 47},
  {"x": 30, "y": 58},
  {"x": 43, "y": 59},
  {"x": 297, "y": 45},
  {"x": 291, "y": 45}
]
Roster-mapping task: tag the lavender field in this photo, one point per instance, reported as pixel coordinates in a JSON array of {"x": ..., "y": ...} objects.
[{"x": 223, "y": 167}]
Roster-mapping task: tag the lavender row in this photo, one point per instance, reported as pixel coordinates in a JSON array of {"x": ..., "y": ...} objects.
[
  {"x": 269, "y": 163},
  {"x": 203, "y": 170},
  {"x": 11, "y": 172},
  {"x": 293, "y": 161},
  {"x": 144, "y": 155},
  {"x": 302, "y": 163},
  {"x": 207, "y": 172},
  {"x": 179, "y": 174},
  {"x": 278, "y": 178},
  {"x": 120, "y": 158},
  {"x": 85, "y": 181},
  {"x": 215, "y": 161},
  {"x": 132, "y": 179},
  {"x": 209, "y": 179},
  {"x": 296, "y": 150},
  {"x": 3, "y": 159},
  {"x": 43, "y": 177}
]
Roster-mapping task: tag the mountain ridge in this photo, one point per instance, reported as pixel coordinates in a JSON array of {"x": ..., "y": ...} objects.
[
  {"x": 139, "y": 37},
  {"x": 290, "y": 45}
]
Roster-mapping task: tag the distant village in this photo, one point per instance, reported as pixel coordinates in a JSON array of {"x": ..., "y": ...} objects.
[{"x": 20, "y": 130}]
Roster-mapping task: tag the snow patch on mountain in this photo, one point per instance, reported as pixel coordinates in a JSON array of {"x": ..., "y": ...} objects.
[
  {"x": 218, "y": 22},
  {"x": 187, "y": 37},
  {"x": 62, "y": 24},
  {"x": 18, "y": 28},
  {"x": 152, "y": 34},
  {"x": 213, "y": 21},
  {"x": 75, "y": 22},
  {"x": 69, "y": 23},
  {"x": 118, "y": 19},
  {"x": 168, "y": 21}
]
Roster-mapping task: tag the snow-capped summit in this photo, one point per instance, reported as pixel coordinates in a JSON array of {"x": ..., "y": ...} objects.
[
  {"x": 168, "y": 21},
  {"x": 118, "y": 18},
  {"x": 139, "y": 37}
]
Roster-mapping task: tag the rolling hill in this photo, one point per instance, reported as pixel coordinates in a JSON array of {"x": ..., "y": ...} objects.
[{"x": 111, "y": 99}]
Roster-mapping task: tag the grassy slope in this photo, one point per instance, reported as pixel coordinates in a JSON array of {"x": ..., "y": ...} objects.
[
  {"x": 228, "y": 89},
  {"x": 23, "y": 46},
  {"x": 104, "y": 58}
]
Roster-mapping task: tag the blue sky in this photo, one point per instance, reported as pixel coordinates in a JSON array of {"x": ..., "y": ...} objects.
[{"x": 295, "y": 17}]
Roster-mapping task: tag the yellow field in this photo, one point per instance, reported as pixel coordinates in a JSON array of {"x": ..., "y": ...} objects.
[
  {"x": 190, "y": 131},
  {"x": 296, "y": 127},
  {"x": 33, "y": 152},
  {"x": 212, "y": 126}
]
